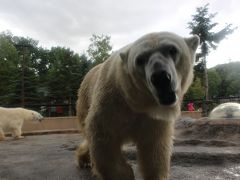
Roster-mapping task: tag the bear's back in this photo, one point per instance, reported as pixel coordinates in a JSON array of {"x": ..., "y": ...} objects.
[{"x": 8, "y": 115}]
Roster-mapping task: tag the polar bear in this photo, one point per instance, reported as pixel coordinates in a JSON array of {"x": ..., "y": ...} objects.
[
  {"x": 135, "y": 95},
  {"x": 11, "y": 119}
]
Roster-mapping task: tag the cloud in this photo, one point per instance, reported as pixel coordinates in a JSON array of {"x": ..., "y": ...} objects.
[
  {"x": 68, "y": 21},
  {"x": 71, "y": 23}
]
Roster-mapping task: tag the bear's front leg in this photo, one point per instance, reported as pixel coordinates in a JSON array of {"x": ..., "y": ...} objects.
[
  {"x": 17, "y": 133},
  {"x": 107, "y": 160},
  {"x": 2, "y": 136},
  {"x": 154, "y": 150},
  {"x": 82, "y": 154},
  {"x": 105, "y": 150}
]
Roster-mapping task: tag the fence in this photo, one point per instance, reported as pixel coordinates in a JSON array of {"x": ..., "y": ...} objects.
[
  {"x": 207, "y": 106},
  {"x": 51, "y": 110},
  {"x": 61, "y": 110}
]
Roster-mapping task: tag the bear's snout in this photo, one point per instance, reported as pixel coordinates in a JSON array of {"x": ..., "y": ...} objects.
[{"x": 40, "y": 118}]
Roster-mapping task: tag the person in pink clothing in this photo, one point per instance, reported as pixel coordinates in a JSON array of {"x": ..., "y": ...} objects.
[{"x": 190, "y": 106}]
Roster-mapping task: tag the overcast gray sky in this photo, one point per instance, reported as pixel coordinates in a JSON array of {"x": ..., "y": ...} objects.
[{"x": 71, "y": 23}]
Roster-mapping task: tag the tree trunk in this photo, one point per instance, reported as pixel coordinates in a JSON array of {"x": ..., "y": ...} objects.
[
  {"x": 23, "y": 80},
  {"x": 205, "y": 79},
  {"x": 205, "y": 102},
  {"x": 70, "y": 106}
]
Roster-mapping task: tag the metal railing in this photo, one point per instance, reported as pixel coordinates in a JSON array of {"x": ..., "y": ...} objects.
[{"x": 207, "y": 106}]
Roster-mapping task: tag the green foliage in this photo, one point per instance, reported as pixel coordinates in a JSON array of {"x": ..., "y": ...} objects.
[
  {"x": 66, "y": 71},
  {"x": 224, "y": 81},
  {"x": 37, "y": 75},
  {"x": 99, "y": 49},
  {"x": 27, "y": 81},
  {"x": 8, "y": 68},
  {"x": 214, "y": 82},
  {"x": 196, "y": 91},
  {"x": 229, "y": 79}
]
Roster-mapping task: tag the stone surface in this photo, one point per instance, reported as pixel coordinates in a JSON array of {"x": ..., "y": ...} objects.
[{"x": 52, "y": 157}]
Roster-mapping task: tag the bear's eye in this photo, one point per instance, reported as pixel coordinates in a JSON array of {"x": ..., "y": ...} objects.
[
  {"x": 170, "y": 51},
  {"x": 142, "y": 59}
]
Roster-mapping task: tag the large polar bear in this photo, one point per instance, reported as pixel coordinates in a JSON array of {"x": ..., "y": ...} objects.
[
  {"x": 11, "y": 119},
  {"x": 135, "y": 95}
]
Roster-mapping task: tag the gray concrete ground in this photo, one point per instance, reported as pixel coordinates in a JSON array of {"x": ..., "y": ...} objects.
[{"x": 51, "y": 157}]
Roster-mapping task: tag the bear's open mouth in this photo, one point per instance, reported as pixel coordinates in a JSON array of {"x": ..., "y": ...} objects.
[
  {"x": 163, "y": 84},
  {"x": 167, "y": 98}
]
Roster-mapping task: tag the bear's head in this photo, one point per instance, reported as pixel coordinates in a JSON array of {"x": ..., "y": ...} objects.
[
  {"x": 162, "y": 63},
  {"x": 36, "y": 116}
]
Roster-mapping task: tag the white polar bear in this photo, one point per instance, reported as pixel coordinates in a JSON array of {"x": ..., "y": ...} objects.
[
  {"x": 135, "y": 95},
  {"x": 11, "y": 119}
]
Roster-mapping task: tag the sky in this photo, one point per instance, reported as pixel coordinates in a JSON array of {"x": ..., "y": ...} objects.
[{"x": 71, "y": 23}]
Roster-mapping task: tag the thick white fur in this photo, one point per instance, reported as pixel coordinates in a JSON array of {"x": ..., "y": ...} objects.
[
  {"x": 11, "y": 120},
  {"x": 116, "y": 103}
]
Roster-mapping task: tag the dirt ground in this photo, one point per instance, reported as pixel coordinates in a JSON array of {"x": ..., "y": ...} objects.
[{"x": 202, "y": 151}]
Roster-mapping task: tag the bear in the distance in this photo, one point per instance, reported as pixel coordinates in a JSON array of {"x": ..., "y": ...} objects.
[
  {"x": 12, "y": 119},
  {"x": 135, "y": 95}
]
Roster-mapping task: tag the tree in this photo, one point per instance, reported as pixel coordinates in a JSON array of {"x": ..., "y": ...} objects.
[
  {"x": 214, "y": 82},
  {"x": 8, "y": 68},
  {"x": 27, "y": 80},
  {"x": 18, "y": 77},
  {"x": 196, "y": 90},
  {"x": 99, "y": 49},
  {"x": 85, "y": 66},
  {"x": 33, "y": 75},
  {"x": 229, "y": 84},
  {"x": 65, "y": 73},
  {"x": 202, "y": 25}
]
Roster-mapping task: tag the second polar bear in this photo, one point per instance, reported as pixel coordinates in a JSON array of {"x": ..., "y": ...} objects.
[{"x": 11, "y": 120}]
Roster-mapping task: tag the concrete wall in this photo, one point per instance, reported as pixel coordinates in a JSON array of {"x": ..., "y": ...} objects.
[
  {"x": 192, "y": 114},
  {"x": 51, "y": 123},
  {"x": 63, "y": 123}
]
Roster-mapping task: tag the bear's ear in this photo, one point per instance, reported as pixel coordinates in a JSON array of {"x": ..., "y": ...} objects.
[
  {"x": 124, "y": 55},
  {"x": 192, "y": 42}
]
